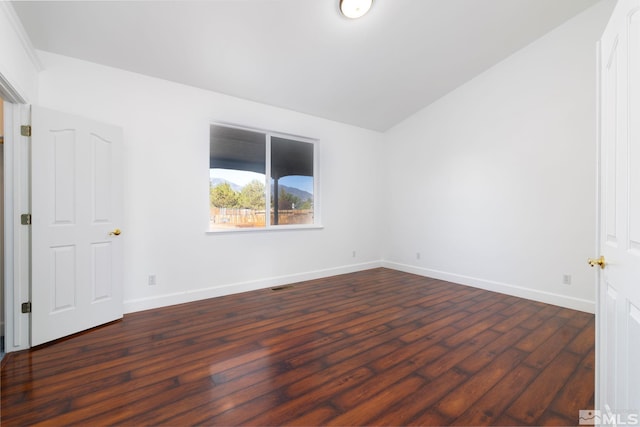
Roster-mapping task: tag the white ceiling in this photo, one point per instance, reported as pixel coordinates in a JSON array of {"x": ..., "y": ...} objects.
[{"x": 301, "y": 54}]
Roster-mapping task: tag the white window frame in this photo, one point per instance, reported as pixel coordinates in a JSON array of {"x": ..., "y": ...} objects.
[{"x": 317, "y": 219}]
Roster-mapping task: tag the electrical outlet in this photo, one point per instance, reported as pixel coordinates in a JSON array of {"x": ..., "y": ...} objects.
[
  {"x": 353, "y": 254},
  {"x": 566, "y": 279},
  {"x": 152, "y": 280},
  {"x": 417, "y": 255}
]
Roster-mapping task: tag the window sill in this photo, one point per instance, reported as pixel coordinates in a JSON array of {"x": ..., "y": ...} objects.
[{"x": 264, "y": 229}]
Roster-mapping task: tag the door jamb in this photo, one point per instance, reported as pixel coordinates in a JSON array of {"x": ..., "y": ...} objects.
[
  {"x": 598, "y": 187},
  {"x": 17, "y": 243}
]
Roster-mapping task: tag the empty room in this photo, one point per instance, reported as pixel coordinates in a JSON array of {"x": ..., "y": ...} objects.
[{"x": 320, "y": 212}]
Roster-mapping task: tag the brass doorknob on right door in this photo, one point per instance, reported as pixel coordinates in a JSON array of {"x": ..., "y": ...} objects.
[
  {"x": 599, "y": 261},
  {"x": 115, "y": 232}
]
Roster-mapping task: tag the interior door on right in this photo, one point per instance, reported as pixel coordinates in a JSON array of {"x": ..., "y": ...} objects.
[{"x": 618, "y": 309}]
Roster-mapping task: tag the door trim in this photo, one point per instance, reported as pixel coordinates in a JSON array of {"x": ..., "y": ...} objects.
[
  {"x": 17, "y": 243},
  {"x": 598, "y": 186}
]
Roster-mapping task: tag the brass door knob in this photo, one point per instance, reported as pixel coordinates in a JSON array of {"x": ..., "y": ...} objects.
[
  {"x": 600, "y": 261},
  {"x": 115, "y": 232}
]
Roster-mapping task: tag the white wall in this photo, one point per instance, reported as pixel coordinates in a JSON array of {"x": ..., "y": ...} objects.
[
  {"x": 166, "y": 132},
  {"x": 18, "y": 64},
  {"x": 494, "y": 184}
]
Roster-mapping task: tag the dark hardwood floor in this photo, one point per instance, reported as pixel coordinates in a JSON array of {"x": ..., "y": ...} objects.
[{"x": 379, "y": 347}]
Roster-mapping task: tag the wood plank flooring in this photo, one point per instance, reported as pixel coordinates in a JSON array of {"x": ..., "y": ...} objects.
[{"x": 378, "y": 347}]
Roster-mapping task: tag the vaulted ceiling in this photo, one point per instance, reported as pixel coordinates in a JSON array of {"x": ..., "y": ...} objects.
[{"x": 301, "y": 54}]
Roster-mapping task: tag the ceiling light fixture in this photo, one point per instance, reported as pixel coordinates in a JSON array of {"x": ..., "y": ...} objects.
[{"x": 355, "y": 8}]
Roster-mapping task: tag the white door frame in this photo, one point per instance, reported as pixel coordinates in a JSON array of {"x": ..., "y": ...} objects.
[
  {"x": 16, "y": 202},
  {"x": 598, "y": 187}
]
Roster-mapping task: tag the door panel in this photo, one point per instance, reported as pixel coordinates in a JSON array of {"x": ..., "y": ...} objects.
[
  {"x": 101, "y": 270},
  {"x": 609, "y": 132},
  {"x": 102, "y": 180},
  {"x": 63, "y": 280},
  {"x": 76, "y": 203},
  {"x": 63, "y": 191},
  {"x": 608, "y": 354}
]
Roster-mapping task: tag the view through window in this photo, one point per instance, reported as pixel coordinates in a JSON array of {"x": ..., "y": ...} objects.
[{"x": 242, "y": 162}]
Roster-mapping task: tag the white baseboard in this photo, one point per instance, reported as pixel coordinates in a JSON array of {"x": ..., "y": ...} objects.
[
  {"x": 165, "y": 300},
  {"x": 503, "y": 288},
  {"x": 140, "y": 304}
]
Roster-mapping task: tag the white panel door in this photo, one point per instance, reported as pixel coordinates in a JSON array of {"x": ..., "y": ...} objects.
[
  {"x": 618, "y": 310},
  {"x": 76, "y": 211}
]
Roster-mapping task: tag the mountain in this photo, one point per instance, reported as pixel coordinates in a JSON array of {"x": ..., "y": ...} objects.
[
  {"x": 301, "y": 194},
  {"x": 217, "y": 181}
]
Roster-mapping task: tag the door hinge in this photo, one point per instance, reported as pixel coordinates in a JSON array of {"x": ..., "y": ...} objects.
[
  {"x": 25, "y": 130},
  {"x": 26, "y": 307},
  {"x": 25, "y": 219}
]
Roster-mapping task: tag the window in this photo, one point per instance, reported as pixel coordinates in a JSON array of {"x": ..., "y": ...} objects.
[{"x": 241, "y": 164}]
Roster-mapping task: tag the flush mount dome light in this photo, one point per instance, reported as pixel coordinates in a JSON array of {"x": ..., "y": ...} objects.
[{"x": 355, "y": 8}]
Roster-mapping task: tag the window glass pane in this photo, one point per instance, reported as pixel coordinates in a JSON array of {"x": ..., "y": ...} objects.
[
  {"x": 236, "y": 178},
  {"x": 239, "y": 173},
  {"x": 291, "y": 182}
]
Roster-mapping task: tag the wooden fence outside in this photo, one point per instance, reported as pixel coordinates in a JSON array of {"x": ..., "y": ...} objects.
[{"x": 248, "y": 218}]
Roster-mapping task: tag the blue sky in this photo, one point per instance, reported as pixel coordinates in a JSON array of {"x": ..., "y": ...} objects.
[{"x": 304, "y": 183}]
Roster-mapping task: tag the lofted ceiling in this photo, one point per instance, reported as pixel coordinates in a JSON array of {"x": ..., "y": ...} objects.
[{"x": 301, "y": 55}]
